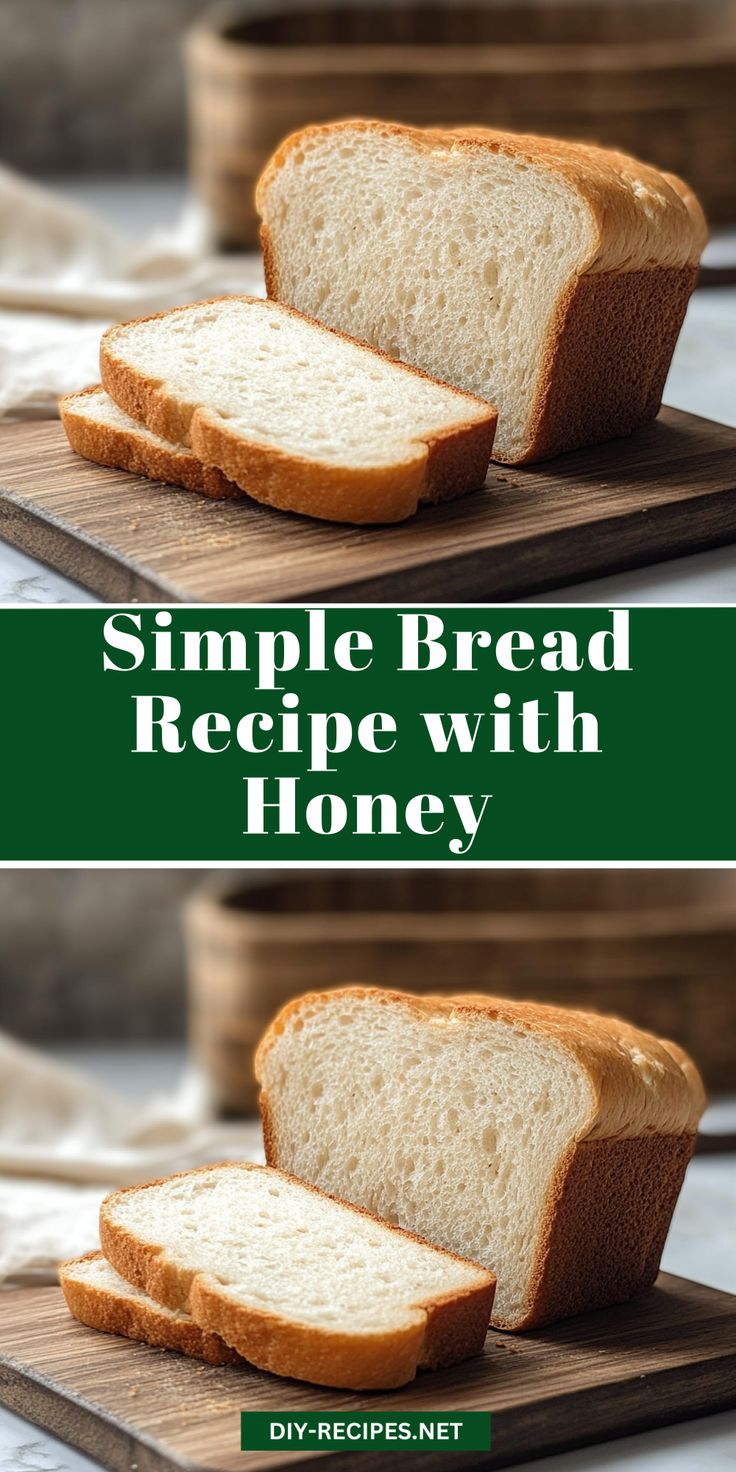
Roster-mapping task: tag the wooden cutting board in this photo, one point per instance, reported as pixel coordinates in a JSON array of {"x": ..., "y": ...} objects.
[
  {"x": 667, "y": 1357},
  {"x": 668, "y": 490}
]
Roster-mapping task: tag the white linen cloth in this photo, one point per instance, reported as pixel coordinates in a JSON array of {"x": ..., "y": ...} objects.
[
  {"x": 65, "y": 275},
  {"x": 65, "y": 1141}
]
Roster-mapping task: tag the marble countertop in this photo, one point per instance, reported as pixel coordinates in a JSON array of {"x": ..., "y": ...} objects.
[
  {"x": 701, "y": 1245},
  {"x": 702, "y": 380}
]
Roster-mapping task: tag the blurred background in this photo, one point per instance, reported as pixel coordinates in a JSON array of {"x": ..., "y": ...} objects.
[
  {"x": 102, "y": 958},
  {"x": 96, "y": 88},
  {"x": 131, "y": 1002}
]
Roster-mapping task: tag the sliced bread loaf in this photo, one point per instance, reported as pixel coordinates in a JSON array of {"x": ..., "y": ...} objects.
[
  {"x": 97, "y": 1296},
  {"x": 97, "y": 429},
  {"x": 548, "y": 1144},
  {"x": 548, "y": 277},
  {"x": 297, "y": 1282},
  {"x": 298, "y": 416}
]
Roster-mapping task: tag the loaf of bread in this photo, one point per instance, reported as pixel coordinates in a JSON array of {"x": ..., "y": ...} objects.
[
  {"x": 549, "y": 1145},
  {"x": 296, "y": 1282},
  {"x": 298, "y": 416},
  {"x": 550, "y": 278},
  {"x": 97, "y": 429},
  {"x": 97, "y": 1296}
]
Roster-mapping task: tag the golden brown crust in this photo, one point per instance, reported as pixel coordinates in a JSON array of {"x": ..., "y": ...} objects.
[
  {"x": 270, "y": 269},
  {"x": 122, "y": 449},
  {"x": 119, "y": 1314},
  {"x": 268, "y": 1124},
  {"x": 584, "y": 397},
  {"x": 371, "y": 1362},
  {"x": 438, "y": 468},
  {"x": 441, "y": 1333},
  {"x": 588, "y": 1258},
  {"x": 438, "y": 1332}
]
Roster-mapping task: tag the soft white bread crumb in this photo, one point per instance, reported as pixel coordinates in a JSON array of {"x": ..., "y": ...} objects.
[
  {"x": 457, "y": 251},
  {"x": 298, "y": 416},
  {"x": 96, "y": 1272},
  {"x": 459, "y": 1119},
  {"x": 295, "y": 1281},
  {"x": 97, "y": 406}
]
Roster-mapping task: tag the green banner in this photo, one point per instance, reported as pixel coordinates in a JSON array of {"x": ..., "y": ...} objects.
[
  {"x": 364, "y": 1431},
  {"x": 443, "y": 734}
]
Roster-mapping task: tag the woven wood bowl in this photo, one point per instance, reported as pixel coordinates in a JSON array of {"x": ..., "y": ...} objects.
[
  {"x": 657, "y": 79},
  {"x": 654, "y": 947}
]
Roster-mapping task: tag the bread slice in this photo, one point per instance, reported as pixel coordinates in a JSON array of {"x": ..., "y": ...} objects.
[
  {"x": 97, "y": 429},
  {"x": 548, "y": 277},
  {"x": 298, "y": 416},
  {"x": 548, "y": 1144},
  {"x": 97, "y": 1296},
  {"x": 298, "y": 1283}
]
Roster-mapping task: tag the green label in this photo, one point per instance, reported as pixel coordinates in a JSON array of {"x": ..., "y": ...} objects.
[
  {"x": 444, "y": 735},
  {"x": 363, "y": 1431}
]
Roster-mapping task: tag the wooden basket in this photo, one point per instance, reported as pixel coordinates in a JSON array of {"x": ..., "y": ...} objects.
[
  {"x": 656, "y": 947},
  {"x": 657, "y": 79}
]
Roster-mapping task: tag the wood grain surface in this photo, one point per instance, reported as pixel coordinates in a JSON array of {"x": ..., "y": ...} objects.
[
  {"x": 668, "y": 1356},
  {"x": 669, "y": 490}
]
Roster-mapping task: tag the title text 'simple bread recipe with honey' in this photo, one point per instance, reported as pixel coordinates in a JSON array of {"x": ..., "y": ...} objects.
[
  {"x": 296, "y": 1282},
  {"x": 550, "y": 278},
  {"x": 297, "y": 415},
  {"x": 548, "y": 1144}
]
